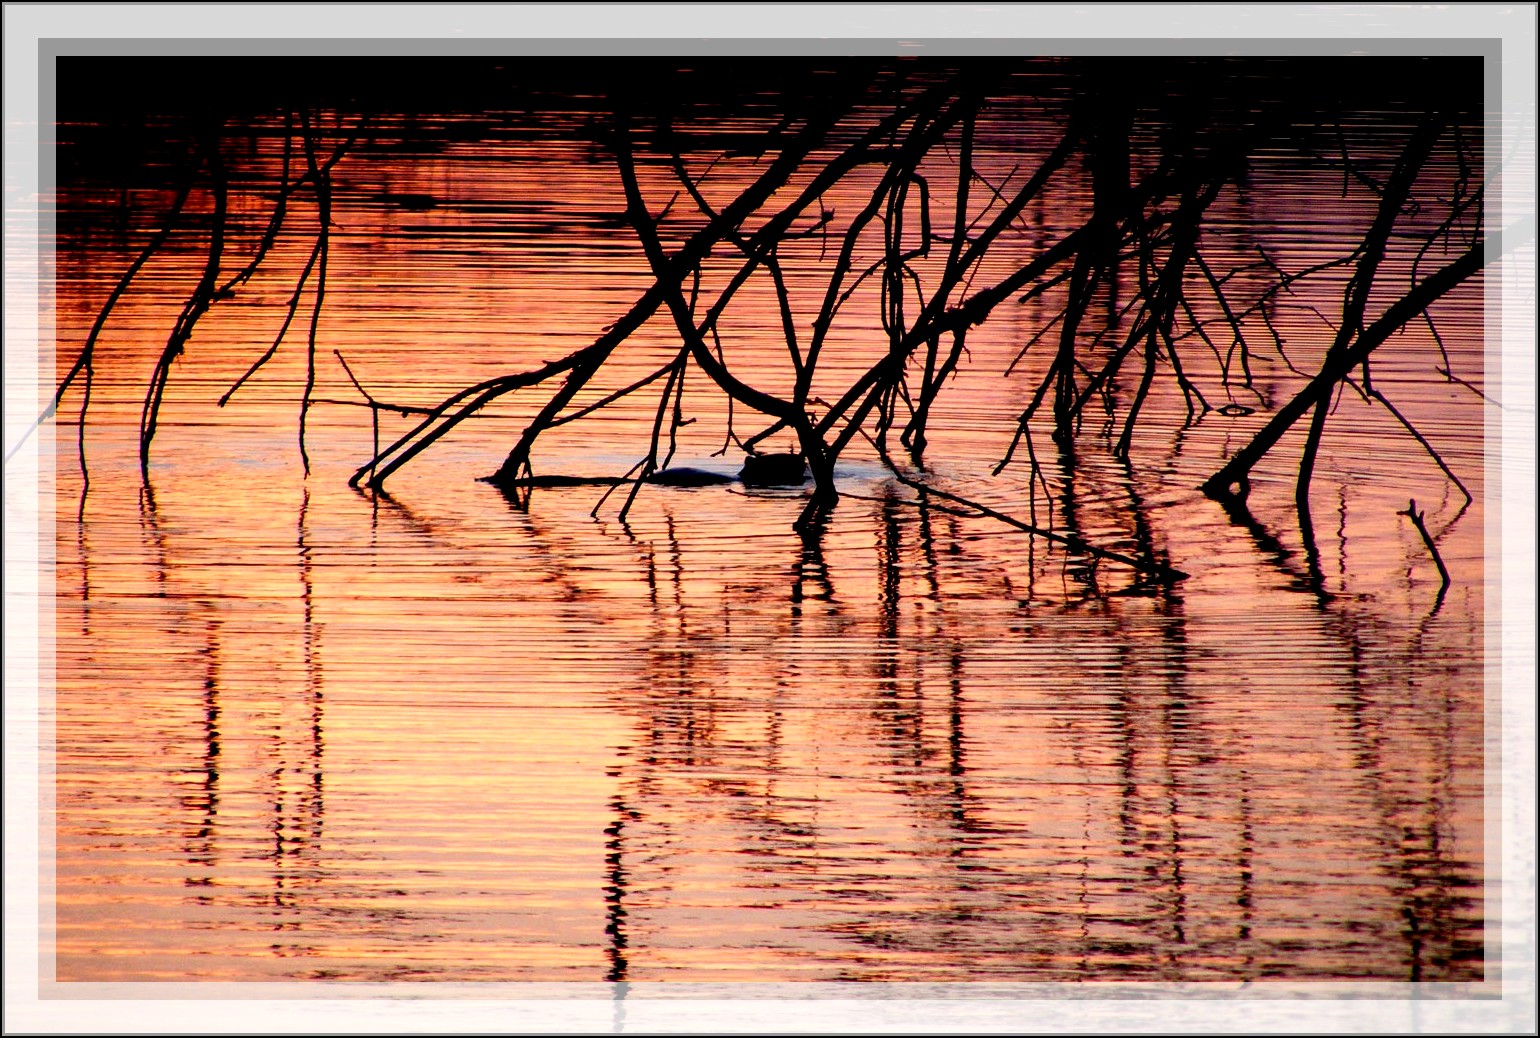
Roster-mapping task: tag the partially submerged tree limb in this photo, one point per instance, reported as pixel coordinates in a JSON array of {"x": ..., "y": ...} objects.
[
  {"x": 84, "y": 362},
  {"x": 317, "y": 174},
  {"x": 1393, "y": 197},
  {"x": 588, "y": 361},
  {"x": 1233, "y": 479},
  {"x": 203, "y": 296},
  {"x": 436, "y": 424},
  {"x": 885, "y": 150},
  {"x": 1438, "y": 560}
]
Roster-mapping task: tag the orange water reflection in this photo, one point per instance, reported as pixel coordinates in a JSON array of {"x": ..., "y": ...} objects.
[{"x": 305, "y": 733}]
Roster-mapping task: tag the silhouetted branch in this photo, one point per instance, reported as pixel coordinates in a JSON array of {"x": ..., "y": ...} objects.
[
  {"x": 1233, "y": 478},
  {"x": 1356, "y": 296},
  {"x": 1438, "y": 560},
  {"x": 1432, "y": 453},
  {"x": 1457, "y": 380},
  {"x": 1113, "y": 229},
  {"x": 317, "y": 174},
  {"x": 197, "y": 305},
  {"x": 323, "y": 197},
  {"x": 83, "y": 363}
]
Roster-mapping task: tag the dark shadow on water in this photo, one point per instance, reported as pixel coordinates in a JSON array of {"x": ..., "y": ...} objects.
[
  {"x": 810, "y": 567},
  {"x": 616, "y": 881},
  {"x": 1282, "y": 558},
  {"x": 1438, "y": 894},
  {"x": 149, "y": 522},
  {"x": 201, "y": 848}
]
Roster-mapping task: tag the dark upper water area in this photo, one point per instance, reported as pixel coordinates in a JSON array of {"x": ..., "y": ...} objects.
[{"x": 124, "y": 111}]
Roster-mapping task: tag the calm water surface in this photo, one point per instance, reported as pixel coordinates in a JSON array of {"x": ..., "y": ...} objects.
[{"x": 307, "y": 733}]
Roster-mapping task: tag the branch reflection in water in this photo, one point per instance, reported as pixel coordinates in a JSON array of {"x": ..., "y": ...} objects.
[{"x": 830, "y": 756}]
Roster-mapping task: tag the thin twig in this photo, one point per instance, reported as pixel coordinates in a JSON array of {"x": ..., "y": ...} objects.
[{"x": 1438, "y": 560}]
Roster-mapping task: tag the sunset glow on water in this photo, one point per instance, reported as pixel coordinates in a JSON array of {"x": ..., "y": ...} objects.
[{"x": 305, "y": 732}]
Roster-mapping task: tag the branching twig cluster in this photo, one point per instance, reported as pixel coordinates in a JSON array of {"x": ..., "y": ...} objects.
[
  {"x": 1134, "y": 283},
  {"x": 207, "y": 159}
]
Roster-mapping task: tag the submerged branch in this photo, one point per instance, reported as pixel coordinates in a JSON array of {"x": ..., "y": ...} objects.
[
  {"x": 1371, "y": 252},
  {"x": 1438, "y": 560},
  {"x": 1233, "y": 478},
  {"x": 1137, "y": 289},
  {"x": 321, "y": 177},
  {"x": 1374, "y": 392},
  {"x": 203, "y": 297},
  {"x": 83, "y": 363}
]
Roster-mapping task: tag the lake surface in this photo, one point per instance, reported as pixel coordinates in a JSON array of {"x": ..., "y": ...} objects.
[{"x": 303, "y": 732}]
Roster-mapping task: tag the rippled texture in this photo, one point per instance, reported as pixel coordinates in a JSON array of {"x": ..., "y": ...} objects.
[{"x": 303, "y": 732}]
